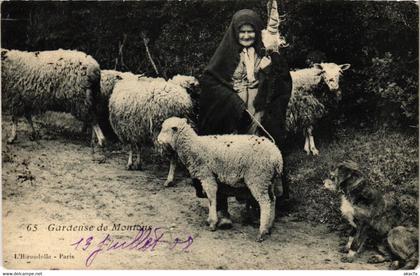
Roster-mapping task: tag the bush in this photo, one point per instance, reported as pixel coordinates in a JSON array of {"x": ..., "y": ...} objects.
[{"x": 395, "y": 88}]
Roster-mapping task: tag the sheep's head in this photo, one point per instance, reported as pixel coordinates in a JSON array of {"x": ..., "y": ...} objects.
[
  {"x": 170, "y": 131},
  {"x": 185, "y": 81},
  {"x": 190, "y": 83},
  {"x": 330, "y": 74}
]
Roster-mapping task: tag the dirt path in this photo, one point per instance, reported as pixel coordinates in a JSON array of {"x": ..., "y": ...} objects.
[{"x": 59, "y": 182}]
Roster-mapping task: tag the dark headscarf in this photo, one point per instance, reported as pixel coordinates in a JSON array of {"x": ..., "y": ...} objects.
[
  {"x": 226, "y": 58},
  {"x": 222, "y": 111}
]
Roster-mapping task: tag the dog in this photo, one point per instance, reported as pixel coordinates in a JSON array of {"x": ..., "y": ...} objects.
[{"x": 373, "y": 216}]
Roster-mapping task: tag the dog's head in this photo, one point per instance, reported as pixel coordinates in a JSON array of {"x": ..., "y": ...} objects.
[{"x": 345, "y": 177}]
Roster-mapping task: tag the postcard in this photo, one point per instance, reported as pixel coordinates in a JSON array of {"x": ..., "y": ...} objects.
[{"x": 209, "y": 135}]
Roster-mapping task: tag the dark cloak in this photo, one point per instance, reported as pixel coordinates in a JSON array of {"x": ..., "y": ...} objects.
[{"x": 221, "y": 110}]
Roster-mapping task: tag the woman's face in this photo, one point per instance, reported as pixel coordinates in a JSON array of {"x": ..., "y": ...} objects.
[{"x": 246, "y": 35}]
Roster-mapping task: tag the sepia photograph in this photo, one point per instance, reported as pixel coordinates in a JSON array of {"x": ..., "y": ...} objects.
[{"x": 210, "y": 135}]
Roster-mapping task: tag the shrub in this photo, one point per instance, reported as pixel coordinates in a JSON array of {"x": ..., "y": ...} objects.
[{"x": 395, "y": 88}]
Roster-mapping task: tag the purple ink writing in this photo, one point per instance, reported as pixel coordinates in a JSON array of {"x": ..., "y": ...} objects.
[{"x": 147, "y": 239}]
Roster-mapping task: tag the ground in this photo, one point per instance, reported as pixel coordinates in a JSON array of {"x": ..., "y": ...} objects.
[{"x": 56, "y": 180}]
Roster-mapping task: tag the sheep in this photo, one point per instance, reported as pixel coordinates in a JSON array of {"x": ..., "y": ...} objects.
[
  {"x": 236, "y": 160},
  {"x": 59, "y": 80},
  {"x": 138, "y": 108},
  {"x": 108, "y": 80},
  {"x": 304, "y": 108}
]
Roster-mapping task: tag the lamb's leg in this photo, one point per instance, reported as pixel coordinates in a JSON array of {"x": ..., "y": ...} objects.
[
  {"x": 170, "y": 179},
  {"x": 306, "y": 146},
  {"x": 13, "y": 135},
  {"x": 33, "y": 134},
  {"x": 267, "y": 201},
  {"x": 129, "y": 165},
  {"x": 312, "y": 147},
  {"x": 210, "y": 186}
]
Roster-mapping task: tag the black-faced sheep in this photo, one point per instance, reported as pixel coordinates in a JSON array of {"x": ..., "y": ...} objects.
[
  {"x": 304, "y": 107},
  {"x": 61, "y": 80},
  {"x": 235, "y": 160},
  {"x": 139, "y": 107}
]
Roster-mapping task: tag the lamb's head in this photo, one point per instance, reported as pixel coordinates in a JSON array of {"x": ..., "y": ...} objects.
[
  {"x": 330, "y": 74},
  {"x": 170, "y": 130}
]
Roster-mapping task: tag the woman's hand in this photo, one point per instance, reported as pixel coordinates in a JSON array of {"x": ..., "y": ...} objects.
[{"x": 265, "y": 62}]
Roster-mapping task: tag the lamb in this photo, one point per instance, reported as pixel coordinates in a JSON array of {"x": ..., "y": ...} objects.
[
  {"x": 304, "y": 108},
  {"x": 237, "y": 160},
  {"x": 60, "y": 80},
  {"x": 138, "y": 108}
]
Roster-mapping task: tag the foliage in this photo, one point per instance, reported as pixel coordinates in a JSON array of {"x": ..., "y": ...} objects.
[
  {"x": 379, "y": 39},
  {"x": 396, "y": 93}
]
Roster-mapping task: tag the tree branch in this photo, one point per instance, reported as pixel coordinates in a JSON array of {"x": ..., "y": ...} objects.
[{"x": 146, "y": 42}]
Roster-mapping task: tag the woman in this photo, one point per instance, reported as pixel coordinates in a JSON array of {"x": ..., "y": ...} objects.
[{"x": 245, "y": 88}]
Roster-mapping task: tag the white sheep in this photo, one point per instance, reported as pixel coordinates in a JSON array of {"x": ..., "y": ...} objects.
[
  {"x": 110, "y": 77},
  {"x": 235, "y": 160},
  {"x": 304, "y": 107},
  {"x": 138, "y": 108},
  {"x": 108, "y": 80},
  {"x": 60, "y": 80}
]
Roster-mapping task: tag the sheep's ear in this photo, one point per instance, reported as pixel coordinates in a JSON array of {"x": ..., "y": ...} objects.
[
  {"x": 175, "y": 129},
  {"x": 119, "y": 77},
  {"x": 185, "y": 120},
  {"x": 318, "y": 66},
  {"x": 345, "y": 66}
]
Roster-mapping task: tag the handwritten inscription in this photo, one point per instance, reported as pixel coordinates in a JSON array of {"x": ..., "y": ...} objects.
[{"x": 145, "y": 240}]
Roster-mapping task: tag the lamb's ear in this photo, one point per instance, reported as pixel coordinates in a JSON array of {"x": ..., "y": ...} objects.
[
  {"x": 185, "y": 120},
  {"x": 344, "y": 67}
]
